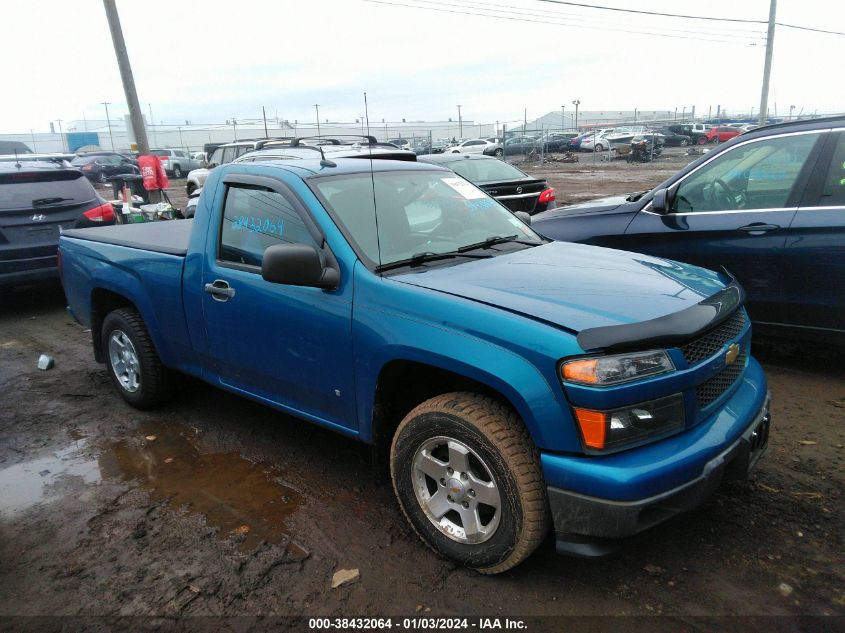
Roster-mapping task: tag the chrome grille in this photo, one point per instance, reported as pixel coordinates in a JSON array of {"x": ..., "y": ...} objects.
[
  {"x": 710, "y": 390},
  {"x": 711, "y": 342}
]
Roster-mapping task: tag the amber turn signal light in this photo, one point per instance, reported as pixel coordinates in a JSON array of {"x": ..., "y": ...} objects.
[{"x": 593, "y": 427}]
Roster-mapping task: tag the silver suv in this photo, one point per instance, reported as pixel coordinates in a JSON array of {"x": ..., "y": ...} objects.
[
  {"x": 175, "y": 162},
  {"x": 221, "y": 156}
]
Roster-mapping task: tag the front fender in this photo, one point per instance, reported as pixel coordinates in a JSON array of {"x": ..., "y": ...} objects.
[{"x": 514, "y": 356}]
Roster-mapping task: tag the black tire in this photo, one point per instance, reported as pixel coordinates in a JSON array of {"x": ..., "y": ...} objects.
[
  {"x": 702, "y": 140},
  {"x": 177, "y": 172},
  {"x": 155, "y": 382},
  {"x": 191, "y": 188},
  {"x": 684, "y": 142},
  {"x": 494, "y": 432},
  {"x": 102, "y": 178},
  {"x": 599, "y": 148},
  {"x": 499, "y": 153}
]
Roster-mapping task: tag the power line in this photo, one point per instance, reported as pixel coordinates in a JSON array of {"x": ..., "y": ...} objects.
[
  {"x": 808, "y": 28},
  {"x": 510, "y": 9},
  {"x": 547, "y": 22},
  {"x": 655, "y": 13}
]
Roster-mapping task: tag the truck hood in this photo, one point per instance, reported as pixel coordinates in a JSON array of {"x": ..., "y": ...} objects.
[{"x": 575, "y": 286}]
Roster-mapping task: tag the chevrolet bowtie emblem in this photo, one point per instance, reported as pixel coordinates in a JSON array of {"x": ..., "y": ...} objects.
[{"x": 732, "y": 353}]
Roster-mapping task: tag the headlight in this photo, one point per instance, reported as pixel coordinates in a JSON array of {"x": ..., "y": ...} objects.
[
  {"x": 634, "y": 424},
  {"x": 600, "y": 371}
]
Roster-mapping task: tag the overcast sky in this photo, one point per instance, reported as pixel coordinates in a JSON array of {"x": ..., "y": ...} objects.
[{"x": 209, "y": 61}]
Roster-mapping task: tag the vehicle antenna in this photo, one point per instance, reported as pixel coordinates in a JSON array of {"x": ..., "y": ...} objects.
[
  {"x": 324, "y": 162},
  {"x": 372, "y": 177}
]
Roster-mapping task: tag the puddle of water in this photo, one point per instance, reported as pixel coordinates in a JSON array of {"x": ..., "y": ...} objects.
[
  {"x": 235, "y": 495},
  {"x": 32, "y": 482}
]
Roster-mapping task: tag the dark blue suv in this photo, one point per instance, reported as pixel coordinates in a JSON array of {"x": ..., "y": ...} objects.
[{"x": 768, "y": 206}]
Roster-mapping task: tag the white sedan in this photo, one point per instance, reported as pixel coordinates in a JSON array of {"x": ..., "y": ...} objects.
[{"x": 472, "y": 146}]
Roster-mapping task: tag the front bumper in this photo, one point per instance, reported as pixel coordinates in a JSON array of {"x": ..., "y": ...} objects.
[{"x": 592, "y": 526}]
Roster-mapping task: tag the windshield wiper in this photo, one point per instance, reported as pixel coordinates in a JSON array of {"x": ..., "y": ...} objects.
[
  {"x": 428, "y": 256},
  {"x": 42, "y": 202},
  {"x": 636, "y": 196},
  {"x": 497, "y": 239}
]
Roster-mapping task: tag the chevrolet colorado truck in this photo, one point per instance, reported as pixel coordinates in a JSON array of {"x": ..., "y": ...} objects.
[{"x": 511, "y": 383}]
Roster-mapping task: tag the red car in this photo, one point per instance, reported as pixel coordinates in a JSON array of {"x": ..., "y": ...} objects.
[{"x": 722, "y": 134}]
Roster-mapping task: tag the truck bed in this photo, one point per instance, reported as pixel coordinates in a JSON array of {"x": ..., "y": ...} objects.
[{"x": 170, "y": 237}]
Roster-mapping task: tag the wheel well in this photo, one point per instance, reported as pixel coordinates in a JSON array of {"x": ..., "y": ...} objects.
[
  {"x": 402, "y": 385},
  {"x": 102, "y": 302}
]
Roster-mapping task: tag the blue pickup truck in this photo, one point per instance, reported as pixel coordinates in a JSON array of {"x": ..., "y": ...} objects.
[{"x": 510, "y": 383}]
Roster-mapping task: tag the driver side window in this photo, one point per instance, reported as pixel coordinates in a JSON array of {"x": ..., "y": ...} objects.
[{"x": 757, "y": 175}]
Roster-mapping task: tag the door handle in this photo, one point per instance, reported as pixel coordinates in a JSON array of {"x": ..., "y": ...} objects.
[
  {"x": 220, "y": 290},
  {"x": 758, "y": 228}
]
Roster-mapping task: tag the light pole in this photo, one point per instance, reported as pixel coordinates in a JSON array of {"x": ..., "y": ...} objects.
[
  {"x": 32, "y": 134},
  {"x": 791, "y": 108},
  {"x": 576, "y": 103},
  {"x": 152, "y": 124},
  {"x": 562, "y": 121},
  {"x": 181, "y": 144},
  {"x": 108, "y": 121},
  {"x": 460, "y": 123},
  {"x": 317, "y": 107},
  {"x": 61, "y": 134},
  {"x": 235, "y": 128}
]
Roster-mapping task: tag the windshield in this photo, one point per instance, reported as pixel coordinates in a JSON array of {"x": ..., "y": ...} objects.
[
  {"x": 417, "y": 212},
  {"x": 160, "y": 152},
  {"x": 485, "y": 170}
]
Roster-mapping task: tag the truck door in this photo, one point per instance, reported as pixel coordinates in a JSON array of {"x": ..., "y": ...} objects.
[
  {"x": 289, "y": 345},
  {"x": 735, "y": 211}
]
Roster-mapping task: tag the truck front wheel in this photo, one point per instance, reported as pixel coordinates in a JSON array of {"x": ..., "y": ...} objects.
[
  {"x": 468, "y": 479},
  {"x": 134, "y": 366}
]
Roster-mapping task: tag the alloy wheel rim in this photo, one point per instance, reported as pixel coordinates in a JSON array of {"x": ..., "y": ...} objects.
[
  {"x": 124, "y": 361},
  {"x": 456, "y": 490}
]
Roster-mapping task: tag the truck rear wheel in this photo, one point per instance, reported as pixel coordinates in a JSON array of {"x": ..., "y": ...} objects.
[
  {"x": 134, "y": 365},
  {"x": 468, "y": 479}
]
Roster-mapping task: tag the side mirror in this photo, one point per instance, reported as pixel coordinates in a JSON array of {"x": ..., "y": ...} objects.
[
  {"x": 522, "y": 215},
  {"x": 660, "y": 202},
  {"x": 297, "y": 265}
]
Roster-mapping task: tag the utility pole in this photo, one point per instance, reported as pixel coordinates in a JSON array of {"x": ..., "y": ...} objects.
[
  {"x": 317, "y": 106},
  {"x": 460, "y": 123},
  {"x": 576, "y": 103},
  {"x": 562, "y": 122},
  {"x": 108, "y": 121},
  {"x": 32, "y": 134},
  {"x": 525, "y": 121},
  {"x": 235, "y": 128},
  {"x": 128, "y": 80},
  {"x": 264, "y": 115},
  {"x": 767, "y": 67},
  {"x": 181, "y": 144}
]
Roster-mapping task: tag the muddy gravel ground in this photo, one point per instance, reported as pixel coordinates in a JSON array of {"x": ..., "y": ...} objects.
[{"x": 214, "y": 505}]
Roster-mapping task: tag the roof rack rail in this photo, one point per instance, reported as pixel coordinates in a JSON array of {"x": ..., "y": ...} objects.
[{"x": 333, "y": 140}]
